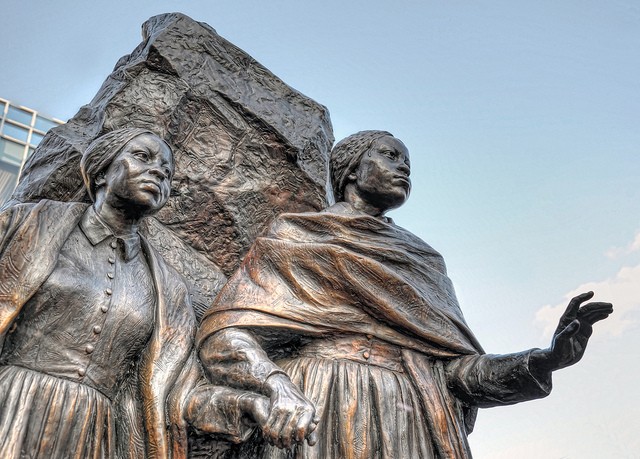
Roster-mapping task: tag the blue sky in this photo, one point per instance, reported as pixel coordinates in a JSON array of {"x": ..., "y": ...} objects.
[{"x": 522, "y": 122}]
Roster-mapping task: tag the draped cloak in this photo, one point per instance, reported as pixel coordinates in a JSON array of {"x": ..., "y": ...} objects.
[{"x": 343, "y": 273}]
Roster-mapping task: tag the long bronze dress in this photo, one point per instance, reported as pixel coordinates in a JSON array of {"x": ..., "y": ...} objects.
[
  {"x": 73, "y": 345},
  {"x": 362, "y": 316},
  {"x": 96, "y": 344}
]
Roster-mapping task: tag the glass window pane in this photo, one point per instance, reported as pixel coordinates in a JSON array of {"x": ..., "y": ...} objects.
[
  {"x": 8, "y": 179},
  {"x": 15, "y": 132},
  {"x": 7, "y": 184},
  {"x": 2, "y": 104},
  {"x": 43, "y": 124},
  {"x": 19, "y": 115},
  {"x": 36, "y": 138},
  {"x": 11, "y": 152}
]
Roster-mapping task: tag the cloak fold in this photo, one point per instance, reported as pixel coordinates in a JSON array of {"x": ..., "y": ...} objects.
[{"x": 331, "y": 274}]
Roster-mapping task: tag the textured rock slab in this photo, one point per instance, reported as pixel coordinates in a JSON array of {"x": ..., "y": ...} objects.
[{"x": 247, "y": 146}]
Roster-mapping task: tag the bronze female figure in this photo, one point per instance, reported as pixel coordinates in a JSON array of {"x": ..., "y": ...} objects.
[
  {"x": 95, "y": 328},
  {"x": 350, "y": 325}
]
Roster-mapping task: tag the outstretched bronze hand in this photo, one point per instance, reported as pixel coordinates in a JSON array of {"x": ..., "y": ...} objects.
[{"x": 573, "y": 332}]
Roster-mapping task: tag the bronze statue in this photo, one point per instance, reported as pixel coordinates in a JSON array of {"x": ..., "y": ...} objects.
[
  {"x": 350, "y": 325},
  {"x": 97, "y": 331}
]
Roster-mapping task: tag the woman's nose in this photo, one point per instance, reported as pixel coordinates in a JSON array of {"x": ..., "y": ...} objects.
[
  {"x": 404, "y": 167},
  {"x": 158, "y": 171}
]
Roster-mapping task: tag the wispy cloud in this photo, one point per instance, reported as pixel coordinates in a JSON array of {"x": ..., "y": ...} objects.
[
  {"x": 623, "y": 290},
  {"x": 618, "y": 252}
]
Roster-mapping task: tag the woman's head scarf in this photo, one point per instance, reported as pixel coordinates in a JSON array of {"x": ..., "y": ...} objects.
[{"x": 346, "y": 155}]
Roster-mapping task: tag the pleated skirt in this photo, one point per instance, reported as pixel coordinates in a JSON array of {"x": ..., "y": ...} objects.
[
  {"x": 42, "y": 416},
  {"x": 366, "y": 411}
]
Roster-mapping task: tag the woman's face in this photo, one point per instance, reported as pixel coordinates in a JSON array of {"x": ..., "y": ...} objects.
[
  {"x": 139, "y": 178},
  {"x": 382, "y": 177}
]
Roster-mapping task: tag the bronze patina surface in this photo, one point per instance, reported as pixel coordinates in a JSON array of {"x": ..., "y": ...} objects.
[
  {"x": 328, "y": 331},
  {"x": 351, "y": 326}
]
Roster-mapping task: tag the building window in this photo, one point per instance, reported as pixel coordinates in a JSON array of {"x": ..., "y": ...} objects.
[
  {"x": 19, "y": 115},
  {"x": 21, "y": 130},
  {"x": 43, "y": 124},
  {"x": 36, "y": 138},
  {"x": 8, "y": 180},
  {"x": 11, "y": 152},
  {"x": 16, "y": 132}
]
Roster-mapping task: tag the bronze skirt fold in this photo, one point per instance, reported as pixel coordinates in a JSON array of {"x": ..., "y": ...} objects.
[
  {"x": 367, "y": 412},
  {"x": 42, "y": 416}
]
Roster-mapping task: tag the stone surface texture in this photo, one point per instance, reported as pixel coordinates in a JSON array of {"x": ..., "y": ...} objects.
[{"x": 247, "y": 146}]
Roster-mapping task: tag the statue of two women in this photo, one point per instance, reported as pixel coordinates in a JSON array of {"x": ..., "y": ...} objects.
[{"x": 340, "y": 329}]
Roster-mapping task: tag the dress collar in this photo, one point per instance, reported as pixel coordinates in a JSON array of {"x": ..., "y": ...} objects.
[{"x": 97, "y": 231}]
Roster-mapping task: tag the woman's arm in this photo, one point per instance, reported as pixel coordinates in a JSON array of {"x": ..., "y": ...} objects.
[
  {"x": 490, "y": 380},
  {"x": 234, "y": 357}
]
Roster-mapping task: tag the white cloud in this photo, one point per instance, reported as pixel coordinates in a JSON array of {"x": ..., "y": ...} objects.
[
  {"x": 623, "y": 290},
  {"x": 618, "y": 252}
]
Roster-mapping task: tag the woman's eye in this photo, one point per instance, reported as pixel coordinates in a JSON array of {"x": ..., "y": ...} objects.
[{"x": 141, "y": 155}]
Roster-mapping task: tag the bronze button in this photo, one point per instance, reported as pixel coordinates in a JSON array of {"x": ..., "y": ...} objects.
[
  {"x": 114, "y": 244},
  {"x": 89, "y": 349},
  {"x": 104, "y": 308},
  {"x": 112, "y": 260},
  {"x": 110, "y": 275},
  {"x": 82, "y": 372},
  {"x": 98, "y": 329},
  {"x": 108, "y": 291},
  {"x": 366, "y": 354}
]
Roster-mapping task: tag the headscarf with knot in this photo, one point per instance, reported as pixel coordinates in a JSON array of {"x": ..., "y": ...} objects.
[
  {"x": 346, "y": 155},
  {"x": 102, "y": 151}
]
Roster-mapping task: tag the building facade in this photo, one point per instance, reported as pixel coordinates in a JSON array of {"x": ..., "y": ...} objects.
[{"x": 21, "y": 130}]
